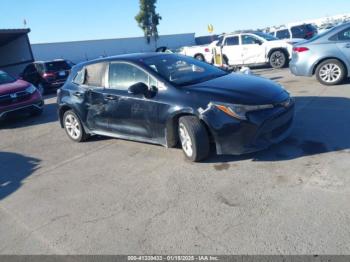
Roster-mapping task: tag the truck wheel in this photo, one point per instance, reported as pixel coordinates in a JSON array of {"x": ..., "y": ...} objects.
[
  {"x": 194, "y": 138},
  {"x": 330, "y": 72},
  {"x": 199, "y": 57},
  {"x": 278, "y": 59}
]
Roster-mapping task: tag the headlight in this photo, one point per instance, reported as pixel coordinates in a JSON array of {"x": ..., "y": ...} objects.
[
  {"x": 239, "y": 111},
  {"x": 31, "y": 89}
]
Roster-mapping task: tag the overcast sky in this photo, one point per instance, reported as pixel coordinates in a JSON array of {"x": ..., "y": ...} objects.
[{"x": 70, "y": 20}]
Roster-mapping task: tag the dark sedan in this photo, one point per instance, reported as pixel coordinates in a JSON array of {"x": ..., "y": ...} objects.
[{"x": 166, "y": 99}]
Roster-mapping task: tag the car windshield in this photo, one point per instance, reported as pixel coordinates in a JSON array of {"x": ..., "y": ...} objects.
[
  {"x": 6, "y": 78},
  {"x": 267, "y": 37},
  {"x": 57, "y": 66},
  {"x": 182, "y": 70}
]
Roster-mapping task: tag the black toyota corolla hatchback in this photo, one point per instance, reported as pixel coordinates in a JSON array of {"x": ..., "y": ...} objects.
[{"x": 167, "y": 98}]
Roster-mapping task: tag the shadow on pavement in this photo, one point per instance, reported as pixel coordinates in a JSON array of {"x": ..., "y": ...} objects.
[
  {"x": 321, "y": 125},
  {"x": 14, "y": 169},
  {"x": 22, "y": 120}
]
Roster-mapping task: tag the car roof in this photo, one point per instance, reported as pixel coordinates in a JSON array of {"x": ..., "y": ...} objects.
[
  {"x": 126, "y": 57},
  {"x": 50, "y": 61}
]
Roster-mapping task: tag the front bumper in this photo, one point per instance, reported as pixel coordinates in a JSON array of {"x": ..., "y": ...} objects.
[
  {"x": 301, "y": 65},
  {"x": 264, "y": 128},
  {"x": 35, "y": 103}
]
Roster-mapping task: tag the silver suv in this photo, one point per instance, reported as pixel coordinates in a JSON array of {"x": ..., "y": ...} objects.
[{"x": 326, "y": 55}]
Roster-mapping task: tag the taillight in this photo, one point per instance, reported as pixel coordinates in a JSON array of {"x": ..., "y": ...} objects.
[
  {"x": 207, "y": 50},
  {"x": 47, "y": 75},
  {"x": 300, "y": 49}
]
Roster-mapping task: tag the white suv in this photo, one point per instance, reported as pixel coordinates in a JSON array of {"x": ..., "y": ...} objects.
[{"x": 254, "y": 48}]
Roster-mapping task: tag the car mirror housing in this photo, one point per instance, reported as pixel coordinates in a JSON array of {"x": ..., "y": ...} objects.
[{"x": 138, "y": 88}]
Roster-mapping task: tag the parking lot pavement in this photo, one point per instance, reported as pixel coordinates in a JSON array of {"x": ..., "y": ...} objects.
[{"x": 109, "y": 196}]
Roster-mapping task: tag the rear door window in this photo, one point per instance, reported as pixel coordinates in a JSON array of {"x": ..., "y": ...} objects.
[
  {"x": 344, "y": 35},
  {"x": 30, "y": 69},
  {"x": 233, "y": 40},
  {"x": 124, "y": 75}
]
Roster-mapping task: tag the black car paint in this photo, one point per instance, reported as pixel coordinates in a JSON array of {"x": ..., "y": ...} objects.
[{"x": 154, "y": 119}]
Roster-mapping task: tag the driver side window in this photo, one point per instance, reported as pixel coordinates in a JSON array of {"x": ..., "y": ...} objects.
[
  {"x": 250, "y": 40},
  {"x": 123, "y": 75}
]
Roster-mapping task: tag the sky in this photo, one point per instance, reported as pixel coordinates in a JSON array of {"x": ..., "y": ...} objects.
[{"x": 74, "y": 20}]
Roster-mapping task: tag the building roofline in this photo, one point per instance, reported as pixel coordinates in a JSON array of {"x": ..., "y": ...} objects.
[
  {"x": 15, "y": 31},
  {"x": 106, "y": 39}
]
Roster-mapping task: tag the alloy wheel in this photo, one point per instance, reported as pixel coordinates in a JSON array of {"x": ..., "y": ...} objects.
[
  {"x": 330, "y": 73},
  {"x": 72, "y": 126},
  {"x": 278, "y": 59},
  {"x": 186, "y": 140}
]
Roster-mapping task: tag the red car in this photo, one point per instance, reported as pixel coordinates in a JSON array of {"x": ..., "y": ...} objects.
[{"x": 18, "y": 96}]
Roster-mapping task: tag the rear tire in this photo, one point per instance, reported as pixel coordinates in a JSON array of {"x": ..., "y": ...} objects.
[
  {"x": 194, "y": 138},
  {"x": 330, "y": 72},
  {"x": 278, "y": 59},
  {"x": 74, "y": 127}
]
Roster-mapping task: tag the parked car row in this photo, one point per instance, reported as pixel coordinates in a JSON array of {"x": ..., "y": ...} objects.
[
  {"x": 24, "y": 95},
  {"x": 303, "y": 31},
  {"x": 325, "y": 55},
  {"x": 249, "y": 49}
]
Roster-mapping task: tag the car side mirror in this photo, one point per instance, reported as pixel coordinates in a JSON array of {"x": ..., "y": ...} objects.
[{"x": 138, "y": 88}]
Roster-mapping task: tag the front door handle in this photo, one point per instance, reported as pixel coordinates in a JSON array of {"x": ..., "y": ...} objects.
[{"x": 111, "y": 97}]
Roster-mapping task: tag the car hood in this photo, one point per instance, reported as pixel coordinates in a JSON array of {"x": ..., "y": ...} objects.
[
  {"x": 242, "y": 89},
  {"x": 13, "y": 87}
]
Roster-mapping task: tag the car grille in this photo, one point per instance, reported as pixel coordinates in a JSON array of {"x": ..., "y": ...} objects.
[{"x": 12, "y": 98}]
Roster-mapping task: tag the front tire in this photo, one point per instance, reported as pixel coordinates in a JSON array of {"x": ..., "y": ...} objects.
[
  {"x": 194, "y": 138},
  {"x": 278, "y": 59},
  {"x": 330, "y": 72},
  {"x": 74, "y": 127}
]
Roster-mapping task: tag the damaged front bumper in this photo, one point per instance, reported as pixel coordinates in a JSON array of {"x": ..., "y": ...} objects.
[{"x": 261, "y": 130}]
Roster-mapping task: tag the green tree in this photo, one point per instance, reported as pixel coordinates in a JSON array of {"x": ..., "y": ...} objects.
[{"x": 148, "y": 20}]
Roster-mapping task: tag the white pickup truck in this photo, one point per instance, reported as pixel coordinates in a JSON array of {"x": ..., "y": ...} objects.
[{"x": 245, "y": 49}]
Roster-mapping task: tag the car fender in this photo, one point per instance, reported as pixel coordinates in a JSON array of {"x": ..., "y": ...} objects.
[
  {"x": 171, "y": 134},
  {"x": 339, "y": 57}
]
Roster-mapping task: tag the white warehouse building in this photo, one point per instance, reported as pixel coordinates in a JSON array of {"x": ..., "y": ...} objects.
[{"x": 79, "y": 51}]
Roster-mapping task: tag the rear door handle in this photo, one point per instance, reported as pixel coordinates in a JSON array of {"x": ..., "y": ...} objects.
[{"x": 111, "y": 97}]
